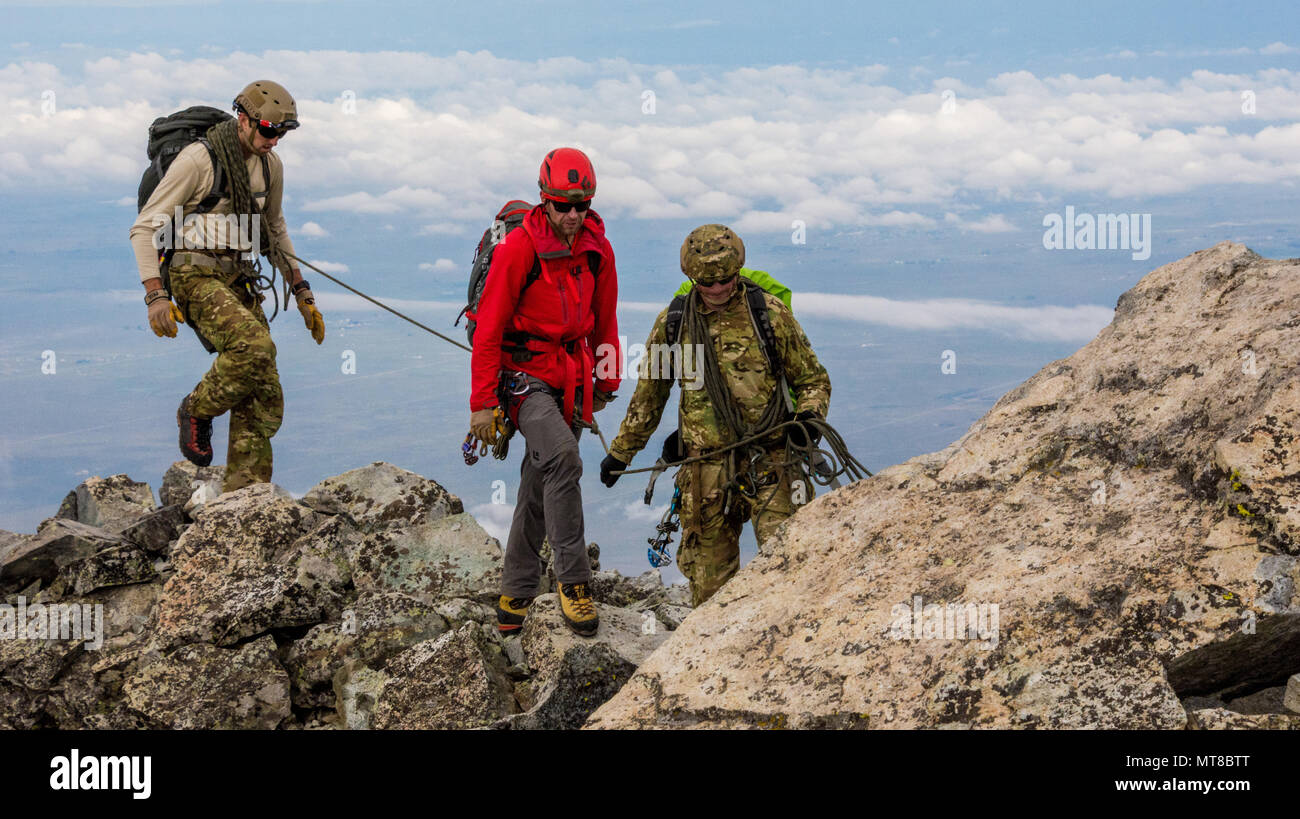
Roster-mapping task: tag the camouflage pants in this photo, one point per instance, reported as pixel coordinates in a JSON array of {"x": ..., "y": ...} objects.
[
  {"x": 710, "y": 550},
  {"x": 243, "y": 379}
]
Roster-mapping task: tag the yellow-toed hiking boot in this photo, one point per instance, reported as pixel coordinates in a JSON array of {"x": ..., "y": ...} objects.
[
  {"x": 511, "y": 612},
  {"x": 578, "y": 608}
]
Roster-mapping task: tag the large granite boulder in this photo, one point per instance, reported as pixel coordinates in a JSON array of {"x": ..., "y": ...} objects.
[
  {"x": 572, "y": 676},
  {"x": 110, "y": 503},
  {"x": 447, "y": 557},
  {"x": 381, "y": 494},
  {"x": 456, "y": 681},
  {"x": 60, "y": 543},
  {"x": 157, "y": 531},
  {"x": 1115, "y": 535},
  {"x": 252, "y": 561},
  {"x": 183, "y": 478},
  {"x": 119, "y": 566},
  {"x": 376, "y": 627},
  {"x": 201, "y": 686}
]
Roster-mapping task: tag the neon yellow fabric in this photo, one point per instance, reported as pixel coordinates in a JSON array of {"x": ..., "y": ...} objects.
[{"x": 761, "y": 278}]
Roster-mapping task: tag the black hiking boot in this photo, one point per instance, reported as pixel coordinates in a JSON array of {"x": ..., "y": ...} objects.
[
  {"x": 511, "y": 612},
  {"x": 196, "y": 435}
]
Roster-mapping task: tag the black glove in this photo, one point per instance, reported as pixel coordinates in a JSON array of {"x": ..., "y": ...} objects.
[
  {"x": 673, "y": 448},
  {"x": 610, "y": 464},
  {"x": 795, "y": 433}
]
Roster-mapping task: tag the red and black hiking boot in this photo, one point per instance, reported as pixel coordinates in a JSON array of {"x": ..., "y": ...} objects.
[
  {"x": 196, "y": 435},
  {"x": 511, "y": 612}
]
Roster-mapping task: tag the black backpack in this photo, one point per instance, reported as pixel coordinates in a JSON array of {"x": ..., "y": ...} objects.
[
  {"x": 168, "y": 136},
  {"x": 510, "y": 216}
]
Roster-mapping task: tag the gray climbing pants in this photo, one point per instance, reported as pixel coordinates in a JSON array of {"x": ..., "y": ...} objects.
[{"x": 549, "y": 501}]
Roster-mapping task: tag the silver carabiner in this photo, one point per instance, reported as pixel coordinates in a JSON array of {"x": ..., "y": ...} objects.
[{"x": 518, "y": 383}]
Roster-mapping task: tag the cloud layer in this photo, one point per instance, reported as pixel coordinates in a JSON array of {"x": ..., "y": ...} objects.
[
  {"x": 444, "y": 139},
  {"x": 1040, "y": 323},
  {"x": 1046, "y": 323}
]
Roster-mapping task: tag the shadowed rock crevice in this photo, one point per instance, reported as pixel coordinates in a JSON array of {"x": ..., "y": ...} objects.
[{"x": 1243, "y": 663}]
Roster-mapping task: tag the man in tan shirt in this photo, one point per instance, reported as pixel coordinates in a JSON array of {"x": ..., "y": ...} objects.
[{"x": 212, "y": 279}]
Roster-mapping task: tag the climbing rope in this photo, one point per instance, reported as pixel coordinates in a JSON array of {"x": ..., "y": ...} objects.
[
  {"x": 378, "y": 303},
  {"x": 749, "y": 437},
  {"x": 840, "y": 459},
  {"x": 502, "y": 445},
  {"x": 224, "y": 139}
]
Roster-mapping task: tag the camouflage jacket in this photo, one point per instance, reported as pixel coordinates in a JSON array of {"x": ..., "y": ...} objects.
[{"x": 740, "y": 358}]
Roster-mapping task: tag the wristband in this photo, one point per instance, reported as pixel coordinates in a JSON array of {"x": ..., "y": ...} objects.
[
  {"x": 155, "y": 295},
  {"x": 301, "y": 286}
]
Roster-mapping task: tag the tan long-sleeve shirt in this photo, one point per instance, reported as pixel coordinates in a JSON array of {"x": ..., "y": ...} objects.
[{"x": 187, "y": 181}]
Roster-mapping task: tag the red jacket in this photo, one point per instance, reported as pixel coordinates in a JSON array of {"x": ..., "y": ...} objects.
[{"x": 565, "y": 304}]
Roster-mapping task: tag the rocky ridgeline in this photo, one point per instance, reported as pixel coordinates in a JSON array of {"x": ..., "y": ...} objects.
[
  {"x": 367, "y": 603},
  {"x": 1133, "y": 511},
  {"x": 1115, "y": 544}
]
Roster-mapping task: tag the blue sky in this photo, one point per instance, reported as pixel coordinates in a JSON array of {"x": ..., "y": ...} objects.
[
  {"x": 919, "y": 147},
  {"x": 994, "y": 36}
]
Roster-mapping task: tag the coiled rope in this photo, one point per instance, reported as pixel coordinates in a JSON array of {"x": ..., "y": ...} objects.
[{"x": 224, "y": 139}]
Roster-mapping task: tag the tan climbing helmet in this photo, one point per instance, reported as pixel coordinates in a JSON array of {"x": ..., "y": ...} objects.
[{"x": 269, "y": 102}]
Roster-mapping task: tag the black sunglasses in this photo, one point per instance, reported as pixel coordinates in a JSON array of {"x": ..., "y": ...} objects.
[
  {"x": 565, "y": 207},
  {"x": 269, "y": 130},
  {"x": 727, "y": 280}
]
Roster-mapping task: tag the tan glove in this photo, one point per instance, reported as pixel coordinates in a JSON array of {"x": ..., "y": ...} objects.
[
  {"x": 599, "y": 399},
  {"x": 310, "y": 315},
  {"x": 163, "y": 318},
  {"x": 485, "y": 424}
]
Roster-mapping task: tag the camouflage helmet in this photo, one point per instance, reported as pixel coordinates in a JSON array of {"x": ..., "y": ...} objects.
[
  {"x": 712, "y": 253},
  {"x": 269, "y": 101}
]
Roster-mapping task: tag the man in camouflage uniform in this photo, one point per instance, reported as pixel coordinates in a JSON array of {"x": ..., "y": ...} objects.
[
  {"x": 713, "y": 508},
  {"x": 211, "y": 288}
]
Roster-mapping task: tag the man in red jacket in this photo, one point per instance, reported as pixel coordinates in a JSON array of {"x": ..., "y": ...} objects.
[{"x": 546, "y": 315}]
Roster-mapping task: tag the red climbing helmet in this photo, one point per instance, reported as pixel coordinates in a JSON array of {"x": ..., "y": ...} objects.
[{"x": 567, "y": 176}]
